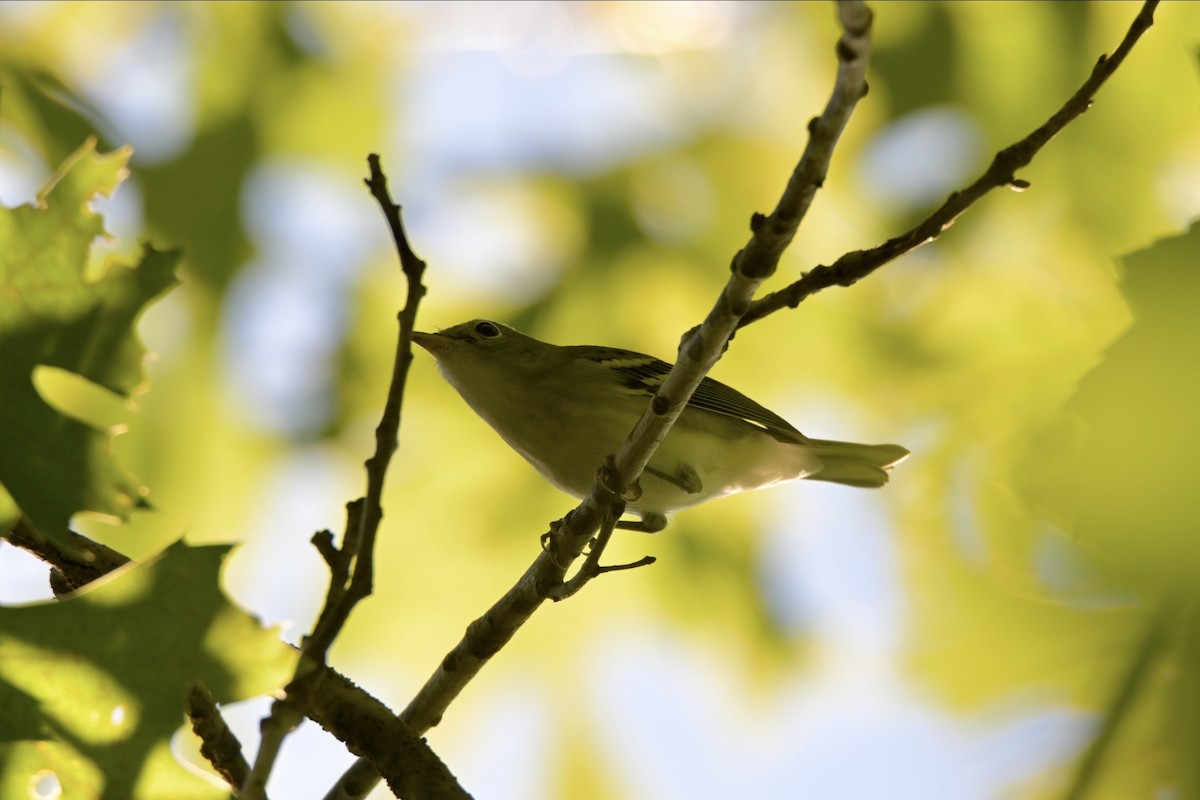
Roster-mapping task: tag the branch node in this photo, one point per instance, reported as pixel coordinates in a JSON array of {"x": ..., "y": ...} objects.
[
  {"x": 323, "y": 541},
  {"x": 608, "y": 476},
  {"x": 547, "y": 540}
]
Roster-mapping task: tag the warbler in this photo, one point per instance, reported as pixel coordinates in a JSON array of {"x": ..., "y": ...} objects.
[{"x": 566, "y": 408}]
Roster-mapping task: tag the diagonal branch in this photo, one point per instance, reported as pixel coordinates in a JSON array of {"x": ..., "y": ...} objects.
[
  {"x": 74, "y": 564},
  {"x": 856, "y": 265},
  {"x": 758, "y": 260},
  {"x": 699, "y": 351},
  {"x": 217, "y": 742},
  {"x": 370, "y": 729},
  {"x": 592, "y": 567},
  {"x": 702, "y": 346}
]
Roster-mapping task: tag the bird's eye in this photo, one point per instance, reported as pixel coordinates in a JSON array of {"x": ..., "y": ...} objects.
[{"x": 487, "y": 330}]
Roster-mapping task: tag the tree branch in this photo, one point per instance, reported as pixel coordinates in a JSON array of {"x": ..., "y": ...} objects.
[
  {"x": 73, "y": 566},
  {"x": 699, "y": 351},
  {"x": 364, "y": 514},
  {"x": 702, "y": 346},
  {"x": 592, "y": 567},
  {"x": 217, "y": 742},
  {"x": 352, "y": 566},
  {"x": 854, "y": 266},
  {"x": 369, "y": 728}
]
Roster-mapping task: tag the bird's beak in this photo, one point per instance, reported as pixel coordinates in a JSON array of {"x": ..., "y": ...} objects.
[{"x": 435, "y": 343}]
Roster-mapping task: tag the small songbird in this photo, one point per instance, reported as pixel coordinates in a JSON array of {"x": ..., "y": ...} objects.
[{"x": 566, "y": 408}]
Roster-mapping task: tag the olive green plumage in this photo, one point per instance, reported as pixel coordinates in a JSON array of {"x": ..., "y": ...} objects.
[{"x": 565, "y": 408}]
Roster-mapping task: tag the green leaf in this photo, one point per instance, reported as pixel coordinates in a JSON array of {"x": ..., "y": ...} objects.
[
  {"x": 1124, "y": 481},
  {"x": 99, "y": 678},
  {"x": 52, "y": 116},
  {"x": 53, "y": 314}
]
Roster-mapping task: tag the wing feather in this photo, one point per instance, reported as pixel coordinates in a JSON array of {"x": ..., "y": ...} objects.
[{"x": 643, "y": 373}]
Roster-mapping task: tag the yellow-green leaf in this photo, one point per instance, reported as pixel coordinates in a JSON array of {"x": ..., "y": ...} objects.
[{"x": 92, "y": 687}]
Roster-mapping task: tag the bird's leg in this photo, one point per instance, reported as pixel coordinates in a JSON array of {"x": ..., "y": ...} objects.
[
  {"x": 685, "y": 478},
  {"x": 650, "y": 522}
]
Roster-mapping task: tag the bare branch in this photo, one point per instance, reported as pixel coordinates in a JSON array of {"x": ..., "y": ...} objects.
[
  {"x": 351, "y": 566},
  {"x": 703, "y": 346},
  {"x": 368, "y": 728},
  {"x": 364, "y": 514},
  {"x": 758, "y": 260},
  {"x": 73, "y": 565},
  {"x": 591, "y": 565},
  {"x": 700, "y": 350},
  {"x": 217, "y": 742},
  {"x": 760, "y": 257},
  {"x": 854, "y": 266},
  {"x": 697, "y": 355}
]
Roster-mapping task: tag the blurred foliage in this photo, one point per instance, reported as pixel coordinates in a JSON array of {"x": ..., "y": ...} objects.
[
  {"x": 1131, "y": 431},
  {"x": 1028, "y": 555},
  {"x": 93, "y": 686},
  {"x": 53, "y": 315}
]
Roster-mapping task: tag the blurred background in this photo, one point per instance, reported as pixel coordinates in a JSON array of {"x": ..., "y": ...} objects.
[{"x": 585, "y": 171}]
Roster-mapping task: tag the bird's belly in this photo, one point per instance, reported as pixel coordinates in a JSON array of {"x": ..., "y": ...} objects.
[
  {"x": 733, "y": 461},
  {"x": 568, "y": 451},
  {"x": 711, "y": 456}
]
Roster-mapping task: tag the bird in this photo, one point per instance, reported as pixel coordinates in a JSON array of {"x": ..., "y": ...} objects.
[{"x": 566, "y": 408}]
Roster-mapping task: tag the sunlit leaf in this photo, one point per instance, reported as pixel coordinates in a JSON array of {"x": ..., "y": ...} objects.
[
  {"x": 53, "y": 314},
  {"x": 94, "y": 685}
]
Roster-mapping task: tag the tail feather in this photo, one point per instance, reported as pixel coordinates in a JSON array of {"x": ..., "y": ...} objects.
[{"x": 864, "y": 465}]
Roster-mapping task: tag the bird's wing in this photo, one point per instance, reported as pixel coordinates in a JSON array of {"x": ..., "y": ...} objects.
[{"x": 644, "y": 374}]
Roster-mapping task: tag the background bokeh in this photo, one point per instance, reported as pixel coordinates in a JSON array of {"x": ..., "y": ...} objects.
[{"x": 585, "y": 171}]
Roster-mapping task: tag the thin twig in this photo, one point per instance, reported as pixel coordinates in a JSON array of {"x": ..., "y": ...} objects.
[
  {"x": 699, "y": 352},
  {"x": 854, "y": 266},
  {"x": 364, "y": 514},
  {"x": 351, "y": 566},
  {"x": 591, "y": 567}
]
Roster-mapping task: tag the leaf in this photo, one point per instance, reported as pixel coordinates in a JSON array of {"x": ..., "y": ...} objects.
[
  {"x": 1124, "y": 482},
  {"x": 53, "y": 117},
  {"x": 100, "y": 677},
  {"x": 52, "y": 314}
]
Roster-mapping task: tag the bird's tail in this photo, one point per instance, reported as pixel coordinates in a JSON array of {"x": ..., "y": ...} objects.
[{"x": 865, "y": 465}]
